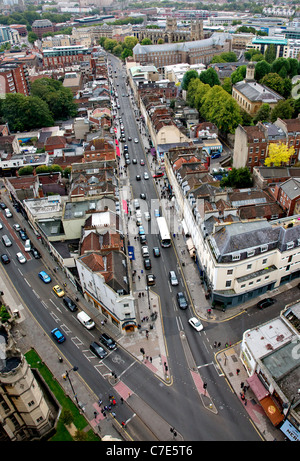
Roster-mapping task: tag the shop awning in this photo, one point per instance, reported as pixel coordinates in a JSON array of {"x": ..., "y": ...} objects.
[
  {"x": 191, "y": 247},
  {"x": 185, "y": 228},
  {"x": 272, "y": 411},
  {"x": 257, "y": 387}
]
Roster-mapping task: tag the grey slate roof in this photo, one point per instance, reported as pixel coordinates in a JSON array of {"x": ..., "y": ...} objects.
[{"x": 256, "y": 92}]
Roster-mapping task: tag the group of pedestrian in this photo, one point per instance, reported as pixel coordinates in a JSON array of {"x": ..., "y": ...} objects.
[
  {"x": 242, "y": 394},
  {"x": 217, "y": 344},
  {"x": 105, "y": 408}
]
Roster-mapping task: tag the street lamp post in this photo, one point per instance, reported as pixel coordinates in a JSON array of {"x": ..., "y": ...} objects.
[{"x": 67, "y": 375}]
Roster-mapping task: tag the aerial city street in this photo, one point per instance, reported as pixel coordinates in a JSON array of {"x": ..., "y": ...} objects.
[{"x": 148, "y": 260}]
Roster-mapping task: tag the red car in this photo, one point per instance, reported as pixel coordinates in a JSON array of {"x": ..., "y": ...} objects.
[{"x": 158, "y": 175}]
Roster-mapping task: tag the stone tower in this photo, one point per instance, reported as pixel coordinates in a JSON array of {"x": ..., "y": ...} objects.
[
  {"x": 197, "y": 30},
  {"x": 250, "y": 72},
  {"x": 171, "y": 24}
]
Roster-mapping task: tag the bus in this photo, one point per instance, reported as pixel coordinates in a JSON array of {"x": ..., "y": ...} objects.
[{"x": 164, "y": 235}]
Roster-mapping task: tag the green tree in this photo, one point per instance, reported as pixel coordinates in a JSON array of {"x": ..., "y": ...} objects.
[
  {"x": 210, "y": 77},
  {"x": 263, "y": 114},
  {"x": 270, "y": 53},
  {"x": 25, "y": 170},
  {"x": 220, "y": 108},
  {"x": 66, "y": 416},
  {"x": 237, "y": 178},
  {"x": 239, "y": 74},
  {"x": 262, "y": 68},
  {"x": 227, "y": 85},
  {"x": 130, "y": 42},
  {"x": 188, "y": 76},
  {"x": 25, "y": 112},
  {"x": 283, "y": 110},
  {"x": 273, "y": 81},
  {"x": 59, "y": 99},
  {"x": 293, "y": 63},
  {"x": 146, "y": 41},
  {"x": 192, "y": 91}
]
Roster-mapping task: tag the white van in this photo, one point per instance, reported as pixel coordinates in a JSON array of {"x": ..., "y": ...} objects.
[{"x": 85, "y": 320}]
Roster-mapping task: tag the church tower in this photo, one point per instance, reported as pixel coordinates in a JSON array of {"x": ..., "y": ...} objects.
[
  {"x": 197, "y": 30},
  {"x": 171, "y": 24},
  {"x": 250, "y": 72}
]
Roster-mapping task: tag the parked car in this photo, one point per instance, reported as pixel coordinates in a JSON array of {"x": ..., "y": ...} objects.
[
  {"x": 98, "y": 350},
  {"x": 156, "y": 213},
  {"x": 35, "y": 253},
  {"x": 2, "y": 205},
  {"x": 21, "y": 258},
  {"x": 147, "y": 264},
  {"x": 158, "y": 175},
  {"x": 8, "y": 213},
  {"x": 58, "y": 291},
  {"x": 265, "y": 303},
  {"x": 57, "y": 335},
  {"x": 141, "y": 230},
  {"x": 145, "y": 251},
  {"x": 150, "y": 279},
  {"x": 5, "y": 258},
  {"x": 44, "y": 277},
  {"x": 181, "y": 300},
  {"x": 23, "y": 235},
  {"x": 17, "y": 227},
  {"x": 195, "y": 323},
  {"x": 156, "y": 252},
  {"x": 139, "y": 222},
  {"x": 1, "y": 227},
  {"x": 27, "y": 245},
  {"x": 69, "y": 304},
  {"x": 108, "y": 341},
  {"x": 147, "y": 216},
  {"x": 143, "y": 239}
]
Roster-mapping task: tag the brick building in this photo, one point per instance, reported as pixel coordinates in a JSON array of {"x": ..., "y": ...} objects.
[
  {"x": 14, "y": 78},
  {"x": 252, "y": 142}
]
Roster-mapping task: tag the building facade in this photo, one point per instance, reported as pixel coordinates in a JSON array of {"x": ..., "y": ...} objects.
[
  {"x": 193, "y": 52},
  {"x": 24, "y": 411}
]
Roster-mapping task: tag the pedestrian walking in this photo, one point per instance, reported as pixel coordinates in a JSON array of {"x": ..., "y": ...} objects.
[
  {"x": 238, "y": 371},
  {"x": 122, "y": 400},
  {"x": 215, "y": 344},
  {"x": 95, "y": 414},
  {"x": 150, "y": 359},
  {"x": 242, "y": 385},
  {"x": 219, "y": 344},
  {"x": 123, "y": 424}
]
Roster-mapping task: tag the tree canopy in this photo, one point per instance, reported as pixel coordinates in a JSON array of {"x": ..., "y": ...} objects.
[
  {"x": 237, "y": 178},
  {"x": 278, "y": 154},
  {"x": 58, "y": 98}
]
